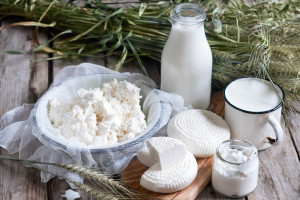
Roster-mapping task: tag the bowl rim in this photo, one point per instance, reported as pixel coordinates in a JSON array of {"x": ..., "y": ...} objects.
[{"x": 97, "y": 150}]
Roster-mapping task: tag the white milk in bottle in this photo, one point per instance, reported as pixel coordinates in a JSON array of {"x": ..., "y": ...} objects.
[{"x": 186, "y": 63}]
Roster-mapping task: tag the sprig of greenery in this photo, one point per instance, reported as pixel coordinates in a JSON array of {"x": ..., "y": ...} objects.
[
  {"x": 100, "y": 187},
  {"x": 247, "y": 39}
]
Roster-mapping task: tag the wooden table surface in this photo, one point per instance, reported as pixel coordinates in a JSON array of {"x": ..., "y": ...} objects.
[{"x": 23, "y": 80}]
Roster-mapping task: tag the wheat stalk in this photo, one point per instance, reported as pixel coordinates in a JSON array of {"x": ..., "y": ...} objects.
[
  {"x": 112, "y": 189},
  {"x": 81, "y": 186},
  {"x": 93, "y": 192},
  {"x": 259, "y": 34},
  {"x": 106, "y": 182}
]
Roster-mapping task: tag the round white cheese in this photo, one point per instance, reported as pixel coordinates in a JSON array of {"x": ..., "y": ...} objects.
[
  {"x": 171, "y": 179},
  {"x": 200, "y": 130}
]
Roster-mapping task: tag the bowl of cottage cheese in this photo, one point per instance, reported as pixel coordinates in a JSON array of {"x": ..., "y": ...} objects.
[{"x": 97, "y": 112}]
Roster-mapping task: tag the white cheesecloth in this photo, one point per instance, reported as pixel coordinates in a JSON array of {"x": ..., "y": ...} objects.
[{"x": 19, "y": 132}]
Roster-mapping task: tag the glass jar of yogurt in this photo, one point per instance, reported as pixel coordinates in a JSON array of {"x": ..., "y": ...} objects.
[{"x": 235, "y": 168}]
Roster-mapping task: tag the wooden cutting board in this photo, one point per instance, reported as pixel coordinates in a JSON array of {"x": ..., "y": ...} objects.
[{"x": 132, "y": 174}]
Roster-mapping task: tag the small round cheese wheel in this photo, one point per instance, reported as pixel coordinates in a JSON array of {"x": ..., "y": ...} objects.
[
  {"x": 200, "y": 130},
  {"x": 172, "y": 179}
]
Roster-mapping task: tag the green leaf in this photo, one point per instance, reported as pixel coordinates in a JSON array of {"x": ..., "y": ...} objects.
[
  {"x": 143, "y": 6},
  {"x": 238, "y": 30},
  {"x": 39, "y": 48},
  {"x": 27, "y": 24},
  {"x": 122, "y": 59},
  {"x": 11, "y": 52},
  {"x": 117, "y": 45},
  {"x": 51, "y": 58},
  {"x": 121, "y": 10},
  {"x": 81, "y": 49},
  {"x": 137, "y": 57}
]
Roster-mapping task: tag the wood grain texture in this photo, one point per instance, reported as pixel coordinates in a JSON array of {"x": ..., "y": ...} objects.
[
  {"x": 293, "y": 118},
  {"x": 279, "y": 172},
  {"x": 209, "y": 193},
  {"x": 22, "y": 80},
  {"x": 56, "y": 187}
]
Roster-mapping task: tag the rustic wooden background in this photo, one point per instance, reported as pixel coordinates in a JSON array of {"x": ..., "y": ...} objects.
[{"x": 23, "y": 80}]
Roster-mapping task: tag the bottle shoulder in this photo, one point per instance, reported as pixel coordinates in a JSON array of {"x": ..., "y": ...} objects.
[{"x": 186, "y": 52}]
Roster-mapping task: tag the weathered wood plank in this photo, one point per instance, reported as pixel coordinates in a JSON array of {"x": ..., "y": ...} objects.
[
  {"x": 208, "y": 193},
  {"x": 56, "y": 187},
  {"x": 293, "y": 118},
  {"x": 279, "y": 172},
  {"x": 21, "y": 81}
]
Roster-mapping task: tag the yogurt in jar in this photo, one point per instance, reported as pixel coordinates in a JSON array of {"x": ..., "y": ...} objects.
[{"x": 235, "y": 168}]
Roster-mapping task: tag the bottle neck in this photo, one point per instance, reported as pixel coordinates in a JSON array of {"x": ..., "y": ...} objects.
[
  {"x": 188, "y": 14},
  {"x": 187, "y": 28}
]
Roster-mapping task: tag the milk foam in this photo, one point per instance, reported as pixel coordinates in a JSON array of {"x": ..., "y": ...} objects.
[{"x": 252, "y": 94}]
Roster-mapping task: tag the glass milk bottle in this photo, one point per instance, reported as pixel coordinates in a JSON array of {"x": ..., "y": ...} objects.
[{"x": 186, "y": 63}]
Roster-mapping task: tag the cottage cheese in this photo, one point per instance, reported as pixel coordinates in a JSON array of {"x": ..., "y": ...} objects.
[{"x": 103, "y": 116}]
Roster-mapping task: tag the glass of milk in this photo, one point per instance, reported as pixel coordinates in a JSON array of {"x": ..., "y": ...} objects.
[
  {"x": 253, "y": 111},
  {"x": 186, "y": 62},
  {"x": 235, "y": 168}
]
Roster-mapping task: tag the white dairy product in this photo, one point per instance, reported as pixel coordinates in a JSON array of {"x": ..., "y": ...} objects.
[
  {"x": 235, "y": 168},
  {"x": 186, "y": 63},
  {"x": 165, "y": 151},
  {"x": 254, "y": 95},
  {"x": 168, "y": 152},
  {"x": 200, "y": 130},
  {"x": 145, "y": 157},
  {"x": 71, "y": 195},
  {"x": 99, "y": 117},
  {"x": 172, "y": 167},
  {"x": 172, "y": 179}
]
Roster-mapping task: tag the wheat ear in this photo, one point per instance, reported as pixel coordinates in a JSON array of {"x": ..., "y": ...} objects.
[
  {"x": 99, "y": 178},
  {"x": 95, "y": 193}
]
